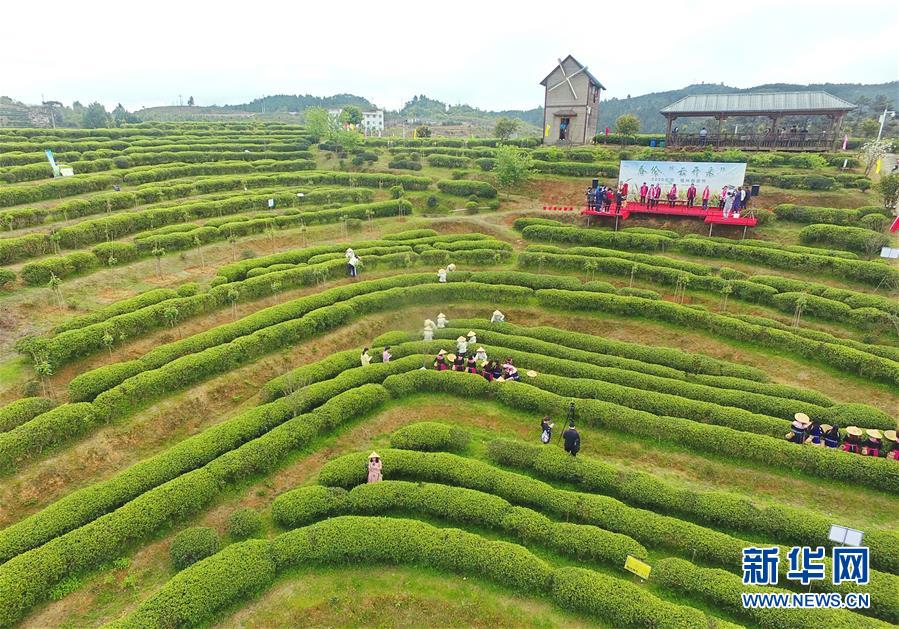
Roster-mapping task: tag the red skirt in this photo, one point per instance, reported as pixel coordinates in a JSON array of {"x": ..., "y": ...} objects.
[
  {"x": 442, "y": 367},
  {"x": 850, "y": 447}
]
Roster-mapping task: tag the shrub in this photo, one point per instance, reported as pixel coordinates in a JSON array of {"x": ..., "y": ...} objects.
[
  {"x": 244, "y": 523},
  {"x": 446, "y": 161},
  {"x": 432, "y": 201},
  {"x": 576, "y": 169},
  {"x": 39, "y": 273},
  {"x": 466, "y": 187},
  {"x": 404, "y": 164},
  {"x": 191, "y": 545},
  {"x": 430, "y": 436},
  {"x": 22, "y": 410},
  {"x": 396, "y": 192},
  {"x": 874, "y": 222},
  {"x": 6, "y": 277},
  {"x": 851, "y": 238},
  {"x": 43, "y": 432}
]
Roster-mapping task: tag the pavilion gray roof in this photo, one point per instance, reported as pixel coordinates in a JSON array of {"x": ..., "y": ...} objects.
[{"x": 758, "y": 103}]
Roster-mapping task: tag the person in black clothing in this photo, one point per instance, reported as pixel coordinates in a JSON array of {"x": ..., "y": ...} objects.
[
  {"x": 546, "y": 428},
  {"x": 572, "y": 439},
  {"x": 832, "y": 437}
]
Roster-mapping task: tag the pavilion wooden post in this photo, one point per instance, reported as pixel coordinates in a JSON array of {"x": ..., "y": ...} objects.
[
  {"x": 668, "y": 130},
  {"x": 720, "y": 122}
]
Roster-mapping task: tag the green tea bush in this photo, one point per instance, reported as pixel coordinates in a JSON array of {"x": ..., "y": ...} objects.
[
  {"x": 244, "y": 523},
  {"x": 852, "y": 238},
  {"x": 430, "y": 436},
  {"x": 22, "y": 410},
  {"x": 191, "y": 545},
  {"x": 466, "y": 187}
]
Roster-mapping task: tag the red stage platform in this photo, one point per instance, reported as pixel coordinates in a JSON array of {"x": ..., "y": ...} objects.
[{"x": 712, "y": 216}]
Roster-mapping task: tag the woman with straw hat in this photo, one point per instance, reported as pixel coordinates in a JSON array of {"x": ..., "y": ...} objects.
[
  {"x": 798, "y": 427},
  {"x": 440, "y": 363},
  {"x": 497, "y": 317},
  {"x": 462, "y": 346},
  {"x": 490, "y": 370},
  {"x": 458, "y": 361},
  {"x": 890, "y": 435},
  {"x": 853, "y": 439},
  {"x": 831, "y": 436},
  {"x": 471, "y": 365},
  {"x": 481, "y": 355},
  {"x": 472, "y": 337},
  {"x": 374, "y": 468},
  {"x": 872, "y": 445}
]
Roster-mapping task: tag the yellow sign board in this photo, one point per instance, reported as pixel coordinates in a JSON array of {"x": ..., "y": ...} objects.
[{"x": 639, "y": 568}]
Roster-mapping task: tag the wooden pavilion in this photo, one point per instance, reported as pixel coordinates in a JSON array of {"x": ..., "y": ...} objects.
[{"x": 774, "y": 106}]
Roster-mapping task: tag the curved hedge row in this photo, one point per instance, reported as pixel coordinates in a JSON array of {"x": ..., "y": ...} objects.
[
  {"x": 777, "y": 521},
  {"x": 851, "y": 238},
  {"x": 27, "y": 579},
  {"x": 466, "y": 187},
  {"x": 198, "y": 593},
  {"x": 646, "y": 527},
  {"x": 718, "y": 440},
  {"x": 43, "y": 432},
  {"x": 832, "y": 216},
  {"x": 838, "y": 356},
  {"x": 459, "y": 506},
  {"x": 852, "y": 298},
  {"x": 873, "y": 272},
  {"x": 430, "y": 436},
  {"x": 22, "y": 410}
]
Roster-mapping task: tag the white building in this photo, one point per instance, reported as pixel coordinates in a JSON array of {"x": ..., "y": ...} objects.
[{"x": 373, "y": 122}]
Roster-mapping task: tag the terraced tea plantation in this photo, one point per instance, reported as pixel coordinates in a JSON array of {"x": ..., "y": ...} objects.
[{"x": 186, "y": 418}]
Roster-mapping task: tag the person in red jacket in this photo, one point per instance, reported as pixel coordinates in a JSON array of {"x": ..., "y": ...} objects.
[
  {"x": 691, "y": 195},
  {"x": 706, "y": 193},
  {"x": 644, "y": 189},
  {"x": 624, "y": 188}
]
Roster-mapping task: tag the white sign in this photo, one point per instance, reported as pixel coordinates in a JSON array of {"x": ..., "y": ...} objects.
[
  {"x": 715, "y": 175},
  {"x": 889, "y": 252},
  {"x": 844, "y": 535}
]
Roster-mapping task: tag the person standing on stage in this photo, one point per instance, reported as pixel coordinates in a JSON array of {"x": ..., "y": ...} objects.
[
  {"x": 691, "y": 195},
  {"x": 624, "y": 189},
  {"x": 672, "y": 195},
  {"x": 705, "y": 198},
  {"x": 644, "y": 189},
  {"x": 723, "y": 198},
  {"x": 657, "y": 195}
]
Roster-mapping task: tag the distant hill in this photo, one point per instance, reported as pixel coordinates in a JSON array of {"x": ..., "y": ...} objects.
[{"x": 464, "y": 119}]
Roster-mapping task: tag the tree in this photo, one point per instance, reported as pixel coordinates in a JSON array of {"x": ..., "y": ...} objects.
[
  {"x": 888, "y": 187},
  {"x": 347, "y": 139},
  {"x": 869, "y": 128},
  {"x": 351, "y": 115},
  {"x": 95, "y": 116},
  {"x": 505, "y": 127},
  {"x": 119, "y": 115},
  {"x": 873, "y": 151},
  {"x": 190, "y": 101},
  {"x": 158, "y": 252},
  {"x": 54, "y": 285},
  {"x": 512, "y": 168},
  {"x": 317, "y": 122},
  {"x": 423, "y": 131},
  {"x": 627, "y": 125}
]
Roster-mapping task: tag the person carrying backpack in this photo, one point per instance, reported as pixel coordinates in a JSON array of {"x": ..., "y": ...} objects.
[{"x": 546, "y": 426}]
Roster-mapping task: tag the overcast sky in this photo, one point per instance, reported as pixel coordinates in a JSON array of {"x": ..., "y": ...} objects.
[{"x": 488, "y": 54}]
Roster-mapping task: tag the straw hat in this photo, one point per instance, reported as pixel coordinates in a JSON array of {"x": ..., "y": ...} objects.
[
  {"x": 481, "y": 349},
  {"x": 855, "y": 431},
  {"x": 873, "y": 432},
  {"x": 440, "y": 314},
  {"x": 826, "y": 427},
  {"x": 531, "y": 373},
  {"x": 802, "y": 418},
  {"x": 451, "y": 357},
  {"x": 889, "y": 434},
  {"x": 451, "y": 267},
  {"x": 471, "y": 333},
  {"x": 500, "y": 379},
  {"x": 497, "y": 312},
  {"x": 441, "y": 352},
  {"x": 373, "y": 455},
  {"x": 442, "y": 271}
]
